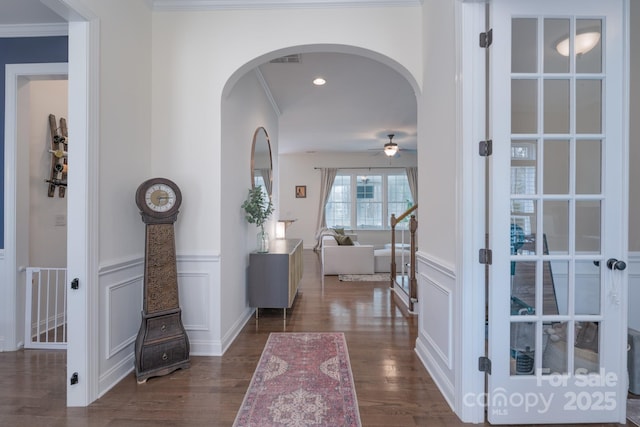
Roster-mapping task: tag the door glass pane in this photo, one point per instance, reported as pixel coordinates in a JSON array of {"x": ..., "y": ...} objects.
[
  {"x": 524, "y": 106},
  {"x": 587, "y": 294},
  {"x": 523, "y": 222},
  {"x": 555, "y": 30},
  {"x": 555, "y": 287},
  {"x": 588, "y": 106},
  {"x": 556, "y": 226},
  {"x": 556, "y": 106},
  {"x": 587, "y": 351},
  {"x": 523, "y": 344},
  {"x": 588, "y": 46},
  {"x": 556, "y": 167},
  {"x": 524, "y": 47},
  {"x": 554, "y": 357},
  {"x": 588, "y": 226},
  {"x": 523, "y": 167},
  {"x": 523, "y": 287},
  {"x": 588, "y": 166}
]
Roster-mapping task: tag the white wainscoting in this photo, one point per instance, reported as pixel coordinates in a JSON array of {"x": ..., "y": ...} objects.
[
  {"x": 121, "y": 311},
  {"x": 119, "y": 319},
  {"x": 200, "y": 301},
  {"x": 434, "y": 345}
]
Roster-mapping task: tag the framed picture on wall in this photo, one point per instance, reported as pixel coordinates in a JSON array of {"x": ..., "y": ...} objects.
[{"x": 301, "y": 191}]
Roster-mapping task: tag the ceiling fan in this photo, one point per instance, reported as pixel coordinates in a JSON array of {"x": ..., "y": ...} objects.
[{"x": 391, "y": 148}]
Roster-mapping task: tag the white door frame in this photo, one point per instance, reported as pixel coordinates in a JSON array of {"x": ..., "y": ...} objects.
[
  {"x": 470, "y": 336},
  {"x": 82, "y": 202}
]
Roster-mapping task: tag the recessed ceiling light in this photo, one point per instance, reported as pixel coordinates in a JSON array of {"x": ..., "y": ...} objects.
[{"x": 319, "y": 81}]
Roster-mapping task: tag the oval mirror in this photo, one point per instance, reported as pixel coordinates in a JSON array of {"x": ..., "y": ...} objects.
[{"x": 261, "y": 165}]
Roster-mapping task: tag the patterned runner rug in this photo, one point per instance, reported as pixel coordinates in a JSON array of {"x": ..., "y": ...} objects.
[{"x": 302, "y": 379}]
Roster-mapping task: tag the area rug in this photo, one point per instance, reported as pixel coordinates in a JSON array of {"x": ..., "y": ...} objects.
[
  {"x": 633, "y": 411},
  {"x": 302, "y": 379},
  {"x": 377, "y": 277}
]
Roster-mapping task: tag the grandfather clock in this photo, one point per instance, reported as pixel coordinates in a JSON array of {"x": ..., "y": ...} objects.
[{"x": 162, "y": 345}]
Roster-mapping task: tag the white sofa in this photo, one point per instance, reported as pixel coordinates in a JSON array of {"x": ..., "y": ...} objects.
[{"x": 336, "y": 259}]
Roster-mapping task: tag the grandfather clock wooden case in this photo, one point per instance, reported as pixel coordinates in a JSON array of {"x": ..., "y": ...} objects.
[{"x": 162, "y": 345}]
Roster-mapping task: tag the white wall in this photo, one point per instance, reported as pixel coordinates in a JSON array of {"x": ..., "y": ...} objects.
[
  {"x": 47, "y": 215},
  {"x": 195, "y": 59},
  {"x": 244, "y": 110},
  {"x": 206, "y": 48},
  {"x": 125, "y": 125},
  {"x": 438, "y": 287}
]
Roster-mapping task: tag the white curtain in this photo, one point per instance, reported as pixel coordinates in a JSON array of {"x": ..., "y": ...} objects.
[
  {"x": 412, "y": 177},
  {"x": 327, "y": 176}
]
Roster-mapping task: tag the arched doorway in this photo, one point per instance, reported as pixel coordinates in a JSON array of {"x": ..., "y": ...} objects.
[{"x": 245, "y": 106}]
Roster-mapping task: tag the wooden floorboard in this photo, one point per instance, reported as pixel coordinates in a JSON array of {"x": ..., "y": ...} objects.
[{"x": 392, "y": 386}]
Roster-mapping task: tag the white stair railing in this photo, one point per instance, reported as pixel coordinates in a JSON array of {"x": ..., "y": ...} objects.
[{"x": 46, "y": 308}]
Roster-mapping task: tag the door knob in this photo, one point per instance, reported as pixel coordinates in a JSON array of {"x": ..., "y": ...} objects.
[{"x": 614, "y": 264}]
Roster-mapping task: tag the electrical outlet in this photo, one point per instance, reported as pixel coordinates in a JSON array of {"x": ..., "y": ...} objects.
[{"x": 60, "y": 220}]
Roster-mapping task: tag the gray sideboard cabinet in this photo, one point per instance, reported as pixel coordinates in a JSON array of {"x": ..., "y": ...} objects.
[{"x": 274, "y": 276}]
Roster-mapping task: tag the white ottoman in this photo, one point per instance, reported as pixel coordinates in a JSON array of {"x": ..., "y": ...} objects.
[{"x": 382, "y": 260}]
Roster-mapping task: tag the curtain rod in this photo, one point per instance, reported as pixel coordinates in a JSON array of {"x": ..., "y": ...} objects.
[{"x": 369, "y": 167}]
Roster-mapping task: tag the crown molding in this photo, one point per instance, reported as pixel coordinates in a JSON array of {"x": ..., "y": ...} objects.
[
  {"x": 204, "y": 5},
  {"x": 34, "y": 30},
  {"x": 267, "y": 92}
]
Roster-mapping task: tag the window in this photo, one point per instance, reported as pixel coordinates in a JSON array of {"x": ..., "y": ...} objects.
[
  {"x": 399, "y": 198},
  {"x": 366, "y": 202}
]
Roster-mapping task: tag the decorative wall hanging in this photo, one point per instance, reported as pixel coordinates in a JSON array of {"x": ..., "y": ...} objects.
[{"x": 58, "y": 150}]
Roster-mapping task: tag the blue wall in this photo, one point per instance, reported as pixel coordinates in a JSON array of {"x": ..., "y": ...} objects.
[{"x": 25, "y": 50}]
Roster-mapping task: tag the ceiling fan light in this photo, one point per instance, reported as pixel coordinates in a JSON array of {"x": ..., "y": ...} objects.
[
  {"x": 390, "y": 149},
  {"x": 583, "y": 43}
]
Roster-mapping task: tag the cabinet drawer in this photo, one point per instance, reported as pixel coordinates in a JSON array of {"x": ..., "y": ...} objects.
[
  {"x": 163, "y": 326},
  {"x": 162, "y": 354}
]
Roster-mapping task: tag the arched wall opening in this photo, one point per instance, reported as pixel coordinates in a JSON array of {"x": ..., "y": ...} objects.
[{"x": 245, "y": 106}]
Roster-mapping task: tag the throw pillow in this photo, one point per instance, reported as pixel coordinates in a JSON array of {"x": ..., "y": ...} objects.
[
  {"x": 338, "y": 231},
  {"x": 343, "y": 240}
]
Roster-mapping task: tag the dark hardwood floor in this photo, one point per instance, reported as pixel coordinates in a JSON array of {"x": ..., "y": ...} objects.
[{"x": 392, "y": 386}]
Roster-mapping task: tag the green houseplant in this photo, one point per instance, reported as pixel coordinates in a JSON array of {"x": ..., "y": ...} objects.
[{"x": 258, "y": 208}]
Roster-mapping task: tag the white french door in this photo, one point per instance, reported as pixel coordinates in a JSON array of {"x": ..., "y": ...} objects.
[{"x": 557, "y": 313}]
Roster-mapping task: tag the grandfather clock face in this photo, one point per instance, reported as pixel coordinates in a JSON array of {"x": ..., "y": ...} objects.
[{"x": 158, "y": 200}]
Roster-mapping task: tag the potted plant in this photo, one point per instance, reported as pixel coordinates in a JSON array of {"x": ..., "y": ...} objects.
[{"x": 257, "y": 209}]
